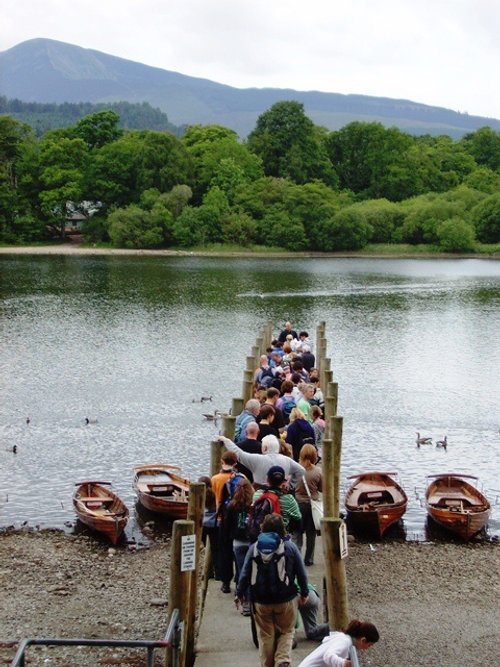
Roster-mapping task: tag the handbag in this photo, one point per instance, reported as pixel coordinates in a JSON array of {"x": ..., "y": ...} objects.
[
  {"x": 316, "y": 507},
  {"x": 210, "y": 519}
]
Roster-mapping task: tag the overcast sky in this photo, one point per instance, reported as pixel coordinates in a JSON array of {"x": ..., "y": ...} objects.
[{"x": 439, "y": 52}]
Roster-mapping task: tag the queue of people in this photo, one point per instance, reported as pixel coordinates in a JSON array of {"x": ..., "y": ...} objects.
[{"x": 258, "y": 509}]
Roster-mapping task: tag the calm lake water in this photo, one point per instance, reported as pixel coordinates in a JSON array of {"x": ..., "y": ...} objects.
[{"x": 132, "y": 341}]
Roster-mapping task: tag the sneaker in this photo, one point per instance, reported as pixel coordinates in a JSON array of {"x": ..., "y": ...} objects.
[
  {"x": 225, "y": 588},
  {"x": 245, "y": 610}
]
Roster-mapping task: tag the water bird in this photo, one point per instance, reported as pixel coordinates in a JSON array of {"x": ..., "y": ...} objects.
[
  {"x": 443, "y": 444},
  {"x": 423, "y": 440},
  {"x": 212, "y": 416},
  {"x": 28, "y": 420},
  {"x": 90, "y": 421},
  {"x": 205, "y": 398},
  {"x": 13, "y": 449}
]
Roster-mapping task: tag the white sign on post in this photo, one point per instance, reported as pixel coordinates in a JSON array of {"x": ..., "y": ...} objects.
[
  {"x": 343, "y": 540},
  {"x": 188, "y": 552}
]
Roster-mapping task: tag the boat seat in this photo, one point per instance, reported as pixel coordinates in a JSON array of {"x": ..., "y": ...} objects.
[
  {"x": 161, "y": 489},
  {"x": 453, "y": 504},
  {"x": 375, "y": 498}
]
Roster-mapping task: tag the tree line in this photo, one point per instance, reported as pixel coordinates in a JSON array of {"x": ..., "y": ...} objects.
[
  {"x": 291, "y": 185},
  {"x": 45, "y": 116}
]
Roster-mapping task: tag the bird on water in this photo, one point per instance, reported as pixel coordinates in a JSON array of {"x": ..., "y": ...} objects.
[
  {"x": 424, "y": 440},
  {"x": 442, "y": 444}
]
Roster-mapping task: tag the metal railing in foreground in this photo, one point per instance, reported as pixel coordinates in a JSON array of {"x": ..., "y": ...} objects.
[{"x": 170, "y": 642}]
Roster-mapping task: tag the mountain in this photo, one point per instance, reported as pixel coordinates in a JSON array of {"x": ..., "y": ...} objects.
[{"x": 45, "y": 70}]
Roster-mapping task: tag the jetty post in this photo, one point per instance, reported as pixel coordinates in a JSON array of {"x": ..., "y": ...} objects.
[
  {"x": 196, "y": 507},
  {"x": 182, "y": 559},
  {"x": 332, "y": 527}
]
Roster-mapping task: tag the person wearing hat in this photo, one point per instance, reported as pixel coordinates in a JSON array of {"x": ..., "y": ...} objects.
[{"x": 290, "y": 511}]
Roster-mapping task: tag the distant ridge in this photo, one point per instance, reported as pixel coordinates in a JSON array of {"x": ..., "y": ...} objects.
[{"x": 45, "y": 70}]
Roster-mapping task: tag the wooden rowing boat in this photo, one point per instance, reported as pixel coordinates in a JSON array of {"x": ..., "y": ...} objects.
[
  {"x": 100, "y": 509},
  {"x": 160, "y": 489},
  {"x": 456, "y": 504},
  {"x": 374, "y": 501}
]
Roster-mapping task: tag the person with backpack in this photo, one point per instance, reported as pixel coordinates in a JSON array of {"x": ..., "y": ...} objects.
[
  {"x": 273, "y": 500},
  {"x": 271, "y": 568},
  {"x": 235, "y": 530},
  {"x": 249, "y": 414},
  {"x": 223, "y": 485},
  {"x": 287, "y": 401},
  {"x": 299, "y": 432}
]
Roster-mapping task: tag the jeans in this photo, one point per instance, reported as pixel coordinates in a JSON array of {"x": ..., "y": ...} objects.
[{"x": 240, "y": 552}]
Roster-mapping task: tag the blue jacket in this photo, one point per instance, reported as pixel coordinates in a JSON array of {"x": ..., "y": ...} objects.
[{"x": 294, "y": 568}]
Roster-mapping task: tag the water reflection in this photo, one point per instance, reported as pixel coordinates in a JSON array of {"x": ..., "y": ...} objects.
[{"x": 131, "y": 341}]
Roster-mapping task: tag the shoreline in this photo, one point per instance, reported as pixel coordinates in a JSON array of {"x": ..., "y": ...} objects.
[
  {"x": 433, "y": 600},
  {"x": 69, "y": 249}
]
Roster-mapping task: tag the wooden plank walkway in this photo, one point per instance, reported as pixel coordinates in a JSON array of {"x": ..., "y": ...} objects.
[{"x": 225, "y": 637}]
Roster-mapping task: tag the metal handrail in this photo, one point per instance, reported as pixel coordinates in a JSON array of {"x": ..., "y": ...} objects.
[{"x": 171, "y": 640}]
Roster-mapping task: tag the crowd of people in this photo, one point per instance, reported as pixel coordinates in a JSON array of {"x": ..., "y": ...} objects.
[{"x": 258, "y": 508}]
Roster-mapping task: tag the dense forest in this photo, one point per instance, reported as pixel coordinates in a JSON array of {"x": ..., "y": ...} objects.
[
  {"x": 291, "y": 185},
  {"x": 44, "y": 117}
]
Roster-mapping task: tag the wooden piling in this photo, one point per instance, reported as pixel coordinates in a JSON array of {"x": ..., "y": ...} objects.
[
  {"x": 228, "y": 422},
  {"x": 337, "y": 427},
  {"x": 327, "y": 461},
  {"x": 259, "y": 342},
  {"x": 336, "y": 583},
  {"x": 237, "y": 406},
  {"x": 216, "y": 449},
  {"x": 179, "y": 585},
  {"x": 251, "y": 363},
  {"x": 196, "y": 508},
  {"x": 247, "y": 390}
]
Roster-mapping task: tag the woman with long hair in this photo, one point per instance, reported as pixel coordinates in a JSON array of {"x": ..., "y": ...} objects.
[
  {"x": 336, "y": 649},
  {"x": 314, "y": 478},
  {"x": 235, "y": 525}
]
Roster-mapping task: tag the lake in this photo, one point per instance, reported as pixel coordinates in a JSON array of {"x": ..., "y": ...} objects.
[{"x": 134, "y": 342}]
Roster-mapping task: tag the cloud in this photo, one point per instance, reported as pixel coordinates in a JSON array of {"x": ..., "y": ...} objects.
[{"x": 442, "y": 53}]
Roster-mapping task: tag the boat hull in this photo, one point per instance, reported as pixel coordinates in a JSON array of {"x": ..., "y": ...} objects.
[
  {"x": 374, "y": 502},
  {"x": 101, "y": 510},
  {"x": 457, "y": 506},
  {"x": 159, "y": 489}
]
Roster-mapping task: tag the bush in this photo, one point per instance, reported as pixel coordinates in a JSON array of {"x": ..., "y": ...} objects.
[
  {"x": 486, "y": 216},
  {"x": 132, "y": 227},
  {"x": 347, "y": 230},
  {"x": 456, "y": 235}
]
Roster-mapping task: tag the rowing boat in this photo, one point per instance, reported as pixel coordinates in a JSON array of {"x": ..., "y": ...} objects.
[
  {"x": 374, "y": 501},
  {"x": 160, "y": 489},
  {"x": 100, "y": 509},
  {"x": 456, "y": 504}
]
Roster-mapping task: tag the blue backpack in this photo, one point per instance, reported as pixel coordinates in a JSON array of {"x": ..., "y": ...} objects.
[
  {"x": 230, "y": 487},
  {"x": 286, "y": 408}
]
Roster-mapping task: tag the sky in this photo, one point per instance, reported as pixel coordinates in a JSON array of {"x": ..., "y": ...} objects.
[{"x": 439, "y": 52}]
